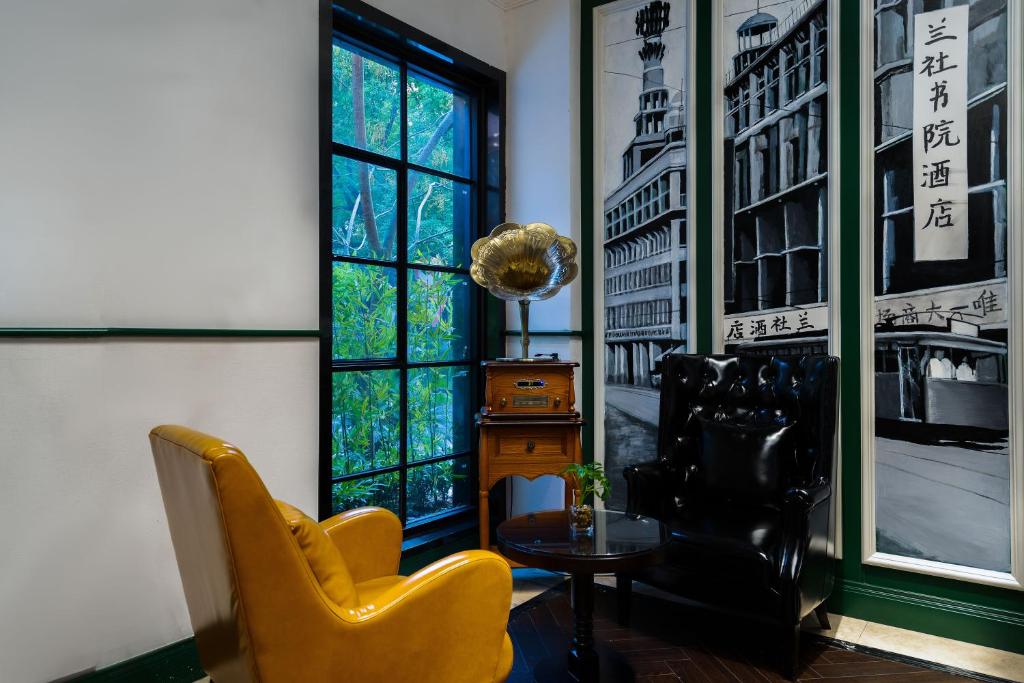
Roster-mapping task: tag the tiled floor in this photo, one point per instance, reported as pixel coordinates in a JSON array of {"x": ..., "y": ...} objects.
[{"x": 529, "y": 583}]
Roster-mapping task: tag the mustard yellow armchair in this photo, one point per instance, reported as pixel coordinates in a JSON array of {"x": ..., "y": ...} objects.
[{"x": 273, "y": 596}]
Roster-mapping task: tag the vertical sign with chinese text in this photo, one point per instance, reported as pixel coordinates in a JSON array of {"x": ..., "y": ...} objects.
[{"x": 940, "y": 134}]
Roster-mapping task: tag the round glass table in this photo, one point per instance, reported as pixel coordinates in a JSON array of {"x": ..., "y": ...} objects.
[{"x": 620, "y": 542}]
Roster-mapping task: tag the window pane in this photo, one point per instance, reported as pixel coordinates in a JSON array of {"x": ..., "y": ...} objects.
[
  {"x": 381, "y": 490},
  {"x": 438, "y": 316},
  {"x": 439, "y": 412},
  {"x": 364, "y": 201},
  {"x": 437, "y": 487},
  {"x": 439, "y": 120},
  {"x": 439, "y": 215},
  {"x": 365, "y": 304},
  {"x": 364, "y": 421},
  {"x": 366, "y": 106}
]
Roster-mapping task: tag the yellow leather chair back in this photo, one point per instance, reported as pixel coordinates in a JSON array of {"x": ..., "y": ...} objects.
[
  {"x": 187, "y": 466},
  {"x": 246, "y": 582}
]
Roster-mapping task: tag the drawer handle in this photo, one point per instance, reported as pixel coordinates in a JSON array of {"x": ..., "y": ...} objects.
[
  {"x": 503, "y": 402},
  {"x": 558, "y": 401},
  {"x": 530, "y": 446}
]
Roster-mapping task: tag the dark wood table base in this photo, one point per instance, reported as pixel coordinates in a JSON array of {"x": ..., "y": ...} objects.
[
  {"x": 585, "y": 662},
  {"x": 619, "y": 543}
]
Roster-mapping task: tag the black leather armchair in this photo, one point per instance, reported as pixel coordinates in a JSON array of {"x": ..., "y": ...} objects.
[{"x": 743, "y": 475}]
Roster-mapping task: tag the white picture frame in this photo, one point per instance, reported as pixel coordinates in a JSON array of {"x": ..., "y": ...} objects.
[
  {"x": 600, "y": 14},
  {"x": 718, "y": 170},
  {"x": 1014, "y": 579},
  {"x": 718, "y": 209}
]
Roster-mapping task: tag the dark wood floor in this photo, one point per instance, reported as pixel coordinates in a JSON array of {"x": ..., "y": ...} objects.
[{"x": 668, "y": 642}]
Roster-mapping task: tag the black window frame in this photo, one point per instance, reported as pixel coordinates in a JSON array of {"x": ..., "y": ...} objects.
[{"x": 355, "y": 22}]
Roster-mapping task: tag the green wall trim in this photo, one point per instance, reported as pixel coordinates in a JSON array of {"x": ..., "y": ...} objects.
[
  {"x": 174, "y": 663},
  {"x": 966, "y": 621},
  {"x": 703, "y": 231},
  {"x": 587, "y": 219},
  {"x": 79, "y": 332}
]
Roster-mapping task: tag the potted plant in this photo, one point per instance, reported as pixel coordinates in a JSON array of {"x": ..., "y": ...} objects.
[{"x": 586, "y": 480}]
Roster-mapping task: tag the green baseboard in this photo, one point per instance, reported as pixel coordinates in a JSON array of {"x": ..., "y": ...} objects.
[
  {"x": 174, "y": 663},
  {"x": 979, "y": 624}
]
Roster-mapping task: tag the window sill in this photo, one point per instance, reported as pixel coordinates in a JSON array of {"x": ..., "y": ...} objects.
[{"x": 430, "y": 546}]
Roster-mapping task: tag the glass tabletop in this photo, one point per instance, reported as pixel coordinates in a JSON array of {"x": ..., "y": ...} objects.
[{"x": 617, "y": 536}]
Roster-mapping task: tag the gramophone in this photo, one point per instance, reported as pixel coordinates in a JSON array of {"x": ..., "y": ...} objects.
[
  {"x": 528, "y": 422},
  {"x": 524, "y": 263}
]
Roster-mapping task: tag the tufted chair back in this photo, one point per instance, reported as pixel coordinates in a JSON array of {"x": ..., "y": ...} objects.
[{"x": 750, "y": 390}]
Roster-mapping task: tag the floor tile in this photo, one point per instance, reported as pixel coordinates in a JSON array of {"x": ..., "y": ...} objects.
[
  {"x": 843, "y": 628},
  {"x": 944, "y": 651}
]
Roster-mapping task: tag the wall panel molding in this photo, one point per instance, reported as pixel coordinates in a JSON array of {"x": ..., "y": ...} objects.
[
  {"x": 950, "y": 618},
  {"x": 163, "y": 332}
]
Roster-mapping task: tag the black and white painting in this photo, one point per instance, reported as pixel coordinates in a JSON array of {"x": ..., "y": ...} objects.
[
  {"x": 641, "y": 146},
  {"x": 775, "y": 223},
  {"x": 941, "y": 418}
]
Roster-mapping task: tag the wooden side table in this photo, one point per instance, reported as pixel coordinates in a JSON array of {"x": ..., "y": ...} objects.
[{"x": 529, "y": 426}]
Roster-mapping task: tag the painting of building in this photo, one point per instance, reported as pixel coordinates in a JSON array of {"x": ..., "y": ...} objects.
[
  {"x": 644, "y": 223},
  {"x": 775, "y": 226},
  {"x": 940, "y": 308}
]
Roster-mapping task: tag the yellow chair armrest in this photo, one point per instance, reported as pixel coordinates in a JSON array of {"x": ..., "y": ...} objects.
[
  {"x": 444, "y": 624},
  {"x": 370, "y": 540}
]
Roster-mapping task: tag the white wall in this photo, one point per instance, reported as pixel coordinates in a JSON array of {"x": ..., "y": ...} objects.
[
  {"x": 543, "y": 122},
  {"x": 89, "y": 576},
  {"x": 159, "y": 163},
  {"x": 159, "y": 170},
  {"x": 543, "y": 177}
]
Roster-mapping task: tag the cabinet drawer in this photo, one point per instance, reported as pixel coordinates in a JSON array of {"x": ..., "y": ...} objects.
[
  {"x": 533, "y": 445},
  {"x": 526, "y": 450}
]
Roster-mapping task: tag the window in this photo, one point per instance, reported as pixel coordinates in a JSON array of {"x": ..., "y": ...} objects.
[{"x": 411, "y": 165}]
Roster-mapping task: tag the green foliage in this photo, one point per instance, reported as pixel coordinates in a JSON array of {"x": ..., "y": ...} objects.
[
  {"x": 383, "y": 102},
  {"x": 366, "y": 404},
  {"x": 588, "y": 479},
  {"x": 381, "y": 490},
  {"x": 430, "y": 115},
  {"x": 365, "y": 303}
]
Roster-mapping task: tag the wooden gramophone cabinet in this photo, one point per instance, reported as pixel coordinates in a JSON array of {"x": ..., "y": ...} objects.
[{"x": 529, "y": 425}]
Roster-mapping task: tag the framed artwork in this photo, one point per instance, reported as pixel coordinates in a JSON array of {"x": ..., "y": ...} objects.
[
  {"x": 774, "y": 210},
  {"x": 941, "y": 288},
  {"x": 642, "y": 53}
]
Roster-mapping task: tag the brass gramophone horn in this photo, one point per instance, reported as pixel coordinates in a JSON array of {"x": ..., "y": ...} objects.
[{"x": 524, "y": 263}]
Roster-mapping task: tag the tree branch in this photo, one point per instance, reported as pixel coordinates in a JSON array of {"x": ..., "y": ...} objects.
[
  {"x": 359, "y": 121},
  {"x": 443, "y": 126}
]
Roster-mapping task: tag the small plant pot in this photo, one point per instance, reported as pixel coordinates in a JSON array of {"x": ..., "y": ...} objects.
[{"x": 581, "y": 518}]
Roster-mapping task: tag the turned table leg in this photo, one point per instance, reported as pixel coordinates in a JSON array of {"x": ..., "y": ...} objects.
[{"x": 583, "y": 663}]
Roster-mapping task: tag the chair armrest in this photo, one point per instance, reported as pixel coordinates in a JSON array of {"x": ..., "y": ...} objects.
[
  {"x": 805, "y": 498},
  {"x": 647, "y": 488},
  {"x": 370, "y": 540},
  {"x": 805, "y": 541},
  {"x": 444, "y": 623}
]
